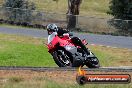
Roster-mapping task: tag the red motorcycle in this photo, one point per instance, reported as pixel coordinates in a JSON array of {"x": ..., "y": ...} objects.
[{"x": 71, "y": 52}]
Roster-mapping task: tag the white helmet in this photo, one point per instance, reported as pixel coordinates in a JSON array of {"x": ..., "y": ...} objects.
[{"x": 52, "y": 28}]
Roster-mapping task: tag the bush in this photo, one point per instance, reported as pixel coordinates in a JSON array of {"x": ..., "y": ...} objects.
[
  {"x": 118, "y": 8},
  {"x": 19, "y": 10},
  {"x": 121, "y": 9}
]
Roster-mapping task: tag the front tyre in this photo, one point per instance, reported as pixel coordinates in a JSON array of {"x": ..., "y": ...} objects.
[
  {"x": 92, "y": 62},
  {"x": 61, "y": 58}
]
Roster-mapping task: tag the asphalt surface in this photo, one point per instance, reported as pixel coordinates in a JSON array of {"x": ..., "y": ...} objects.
[
  {"x": 101, "y": 69},
  {"x": 106, "y": 40}
]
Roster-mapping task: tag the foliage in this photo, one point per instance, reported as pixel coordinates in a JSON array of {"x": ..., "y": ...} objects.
[
  {"x": 19, "y": 10},
  {"x": 121, "y": 9},
  {"x": 117, "y": 8}
]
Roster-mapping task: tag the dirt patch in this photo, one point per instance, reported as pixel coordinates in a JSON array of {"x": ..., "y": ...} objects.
[
  {"x": 57, "y": 76},
  {"x": 68, "y": 77}
]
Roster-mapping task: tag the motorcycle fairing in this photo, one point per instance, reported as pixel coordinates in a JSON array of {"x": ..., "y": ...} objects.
[{"x": 53, "y": 40}]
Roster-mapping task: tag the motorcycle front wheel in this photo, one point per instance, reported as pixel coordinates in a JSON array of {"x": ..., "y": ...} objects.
[
  {"x": 93, "y": 62},
  {"x": 61, "y": 58}
]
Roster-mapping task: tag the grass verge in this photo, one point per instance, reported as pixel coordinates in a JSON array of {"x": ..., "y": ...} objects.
[
  {"x": 28, "y": 51},
  {"x": 91, "y": 7},
  {"x": 49, "y": 79},
  {"x": 23, "y": 51}
]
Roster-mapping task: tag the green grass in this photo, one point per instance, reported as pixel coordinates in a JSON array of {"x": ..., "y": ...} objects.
[
  {"x": 22, "y": 51},
  {"x": 88, "y": 7},
  {"x": 24, "y": 55},
  {"x": 27, "y": 51},
  {"x": 113, "y": 56}
]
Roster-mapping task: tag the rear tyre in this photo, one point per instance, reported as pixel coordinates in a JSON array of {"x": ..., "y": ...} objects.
[{"x": 61, "y": 58}]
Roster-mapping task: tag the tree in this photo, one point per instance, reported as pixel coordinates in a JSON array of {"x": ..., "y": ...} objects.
[
  {"x": 19, "y": 10},
  {"x": 73, "y": 10},
  {"x": 121, "y": 9}
]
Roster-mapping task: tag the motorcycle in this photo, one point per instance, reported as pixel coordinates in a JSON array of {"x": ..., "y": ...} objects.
[{"x": 71, "y": 52}]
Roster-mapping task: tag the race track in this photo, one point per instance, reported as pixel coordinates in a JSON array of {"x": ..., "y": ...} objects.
[
  {"x": 106, "y": 40},
  {"x": 101, "y": 69}
]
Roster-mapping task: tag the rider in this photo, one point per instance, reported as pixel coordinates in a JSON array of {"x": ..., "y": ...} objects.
[
  {"x": 53, "y": 28},
  {"x": 60, "y": 31}
]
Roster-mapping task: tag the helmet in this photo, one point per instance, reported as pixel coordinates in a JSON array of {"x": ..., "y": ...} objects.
[{"x": 52, "y": 28}]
